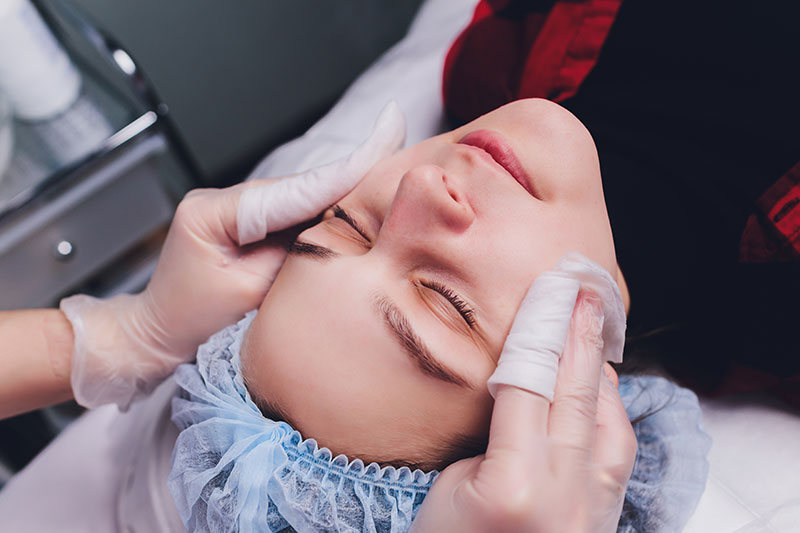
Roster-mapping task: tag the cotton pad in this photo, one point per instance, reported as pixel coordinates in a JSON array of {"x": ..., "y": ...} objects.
[
  {"x": 282, "y": 204},
  {"x": 534, "y": 345}
]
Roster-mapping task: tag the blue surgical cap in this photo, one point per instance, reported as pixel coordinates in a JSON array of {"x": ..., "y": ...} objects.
[{"x": 235, "y": 470}]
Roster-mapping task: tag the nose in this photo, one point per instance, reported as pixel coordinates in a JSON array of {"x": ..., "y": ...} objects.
[{"x": 428, "y": 200}]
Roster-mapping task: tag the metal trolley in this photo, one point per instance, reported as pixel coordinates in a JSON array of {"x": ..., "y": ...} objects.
[{"x": 86, "y": 198}]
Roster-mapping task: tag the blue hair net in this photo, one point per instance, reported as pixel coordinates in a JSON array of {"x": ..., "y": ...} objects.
[
  {"x": 671, "y": 468},
  {"x": 235, "y": 470}
]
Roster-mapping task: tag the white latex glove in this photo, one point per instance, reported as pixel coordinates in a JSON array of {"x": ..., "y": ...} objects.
[
  {"x": 529, "y": 359},
  {"x": 548, "y": 467},
  {"x": 206, "y": 278}
]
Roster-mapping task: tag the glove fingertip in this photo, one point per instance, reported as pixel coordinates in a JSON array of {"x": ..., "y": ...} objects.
[
  {"x": 251, "y": 224},
  {"x": 391, "y": 126}
]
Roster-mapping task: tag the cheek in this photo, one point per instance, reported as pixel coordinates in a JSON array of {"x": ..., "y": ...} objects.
[
  {"x": 589, "y": 232},
  {"x": 580, "y": 226}
]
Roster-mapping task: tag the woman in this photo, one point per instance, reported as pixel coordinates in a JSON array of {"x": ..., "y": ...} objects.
[
  {"x": 462, "y": 409},
  {"x": 378, "y": 334},
  {"x": 447, "y": 237}
]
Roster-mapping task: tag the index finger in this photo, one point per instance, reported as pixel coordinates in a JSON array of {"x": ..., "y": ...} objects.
[
  {"x": 573, "y": 417},
  {"x": 526, "y": 372},
  {"x": 519, "y": 418},
  {"x": 284, "y": 203}
]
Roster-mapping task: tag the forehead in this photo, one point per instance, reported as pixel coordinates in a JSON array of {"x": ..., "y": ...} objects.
[{"x": 319, "y": 351}]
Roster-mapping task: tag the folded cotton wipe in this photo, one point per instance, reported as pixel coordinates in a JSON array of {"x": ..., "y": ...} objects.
[
  {"x": 530, "y": 356},
  {"x": 282, "y": 204}
]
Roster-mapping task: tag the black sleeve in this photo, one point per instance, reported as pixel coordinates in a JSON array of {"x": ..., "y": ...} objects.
[{"x": 693, "y": 106}]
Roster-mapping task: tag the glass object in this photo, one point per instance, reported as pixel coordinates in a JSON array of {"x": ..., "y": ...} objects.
[
  {"x": 45, "y": 151},
  {"x": 35, "y": 72},
  {"x": 115, "y": 107}
]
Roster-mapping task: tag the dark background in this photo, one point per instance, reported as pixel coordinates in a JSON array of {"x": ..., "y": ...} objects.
[{"x": 242, "y": 76}]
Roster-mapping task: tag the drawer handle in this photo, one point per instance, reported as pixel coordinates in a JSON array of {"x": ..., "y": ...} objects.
[{"x": 64, "y": 250}]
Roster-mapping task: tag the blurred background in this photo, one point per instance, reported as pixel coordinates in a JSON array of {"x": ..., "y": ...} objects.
[
  {"x": 241, "y": 77},
  {"x": 110, "y": 111}
]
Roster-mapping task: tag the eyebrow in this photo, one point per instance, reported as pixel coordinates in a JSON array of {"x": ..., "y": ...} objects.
[
  {"x": 414, "y": 346},
  {"x": 313, "y": 251}
]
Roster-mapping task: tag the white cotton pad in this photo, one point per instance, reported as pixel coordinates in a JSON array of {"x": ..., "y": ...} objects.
[
  {"x": 287, "y": 202},
  {"x": 534, "y": 345}
]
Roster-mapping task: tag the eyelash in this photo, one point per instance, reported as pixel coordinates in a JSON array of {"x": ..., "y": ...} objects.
[
  {"x": 461, "y": 306},
  {"x": 341, "y": 214}
]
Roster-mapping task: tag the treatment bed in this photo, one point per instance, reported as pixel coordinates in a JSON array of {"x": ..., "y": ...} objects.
[{"x": 754, "y": 480}]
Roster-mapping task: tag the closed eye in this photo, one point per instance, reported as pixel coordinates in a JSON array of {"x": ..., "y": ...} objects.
[
  {"x": 466, "y": 312},
  {"x": 340, "y": 213},
  {"x": 455, "y": 300}
]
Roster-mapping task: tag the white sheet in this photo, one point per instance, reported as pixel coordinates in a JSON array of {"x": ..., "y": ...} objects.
[
  {"x": 754, "y": 482},
  {"x": 754, "y": 477}
]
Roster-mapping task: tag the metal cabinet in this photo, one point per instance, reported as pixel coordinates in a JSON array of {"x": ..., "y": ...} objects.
[
  {"x": 85, "y": 199},
  {"x": 77, "y": 232},
  {"x": 89, "y": 185}
]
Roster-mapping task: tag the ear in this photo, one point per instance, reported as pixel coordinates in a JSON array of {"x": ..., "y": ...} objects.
[
  {"x": 611, "y": 374},
  {"x": 623, "y": 288}
]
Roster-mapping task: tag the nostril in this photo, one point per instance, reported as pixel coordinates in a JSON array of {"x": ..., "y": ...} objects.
[{"x": 450, "y": 191}]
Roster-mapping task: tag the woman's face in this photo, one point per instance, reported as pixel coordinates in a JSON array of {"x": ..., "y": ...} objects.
[{"x": 387, "y": 318}]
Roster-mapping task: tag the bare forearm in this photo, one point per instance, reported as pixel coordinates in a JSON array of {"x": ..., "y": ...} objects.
[{"x": 35, "y": 356}]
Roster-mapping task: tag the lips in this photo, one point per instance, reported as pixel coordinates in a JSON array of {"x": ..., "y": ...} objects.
[{"x": 496, "y": 146}]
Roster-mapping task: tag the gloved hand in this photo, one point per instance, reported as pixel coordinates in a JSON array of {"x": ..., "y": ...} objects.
[
  {"x": 206, "y": 278},
  {"x": 533, "y": 347},
  {"x": 560, "y": 467}
]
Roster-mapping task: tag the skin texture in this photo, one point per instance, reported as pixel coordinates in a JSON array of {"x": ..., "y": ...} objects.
[
  {"x": 36, "y": 356},
  {"x": 438, "y": 214}
]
